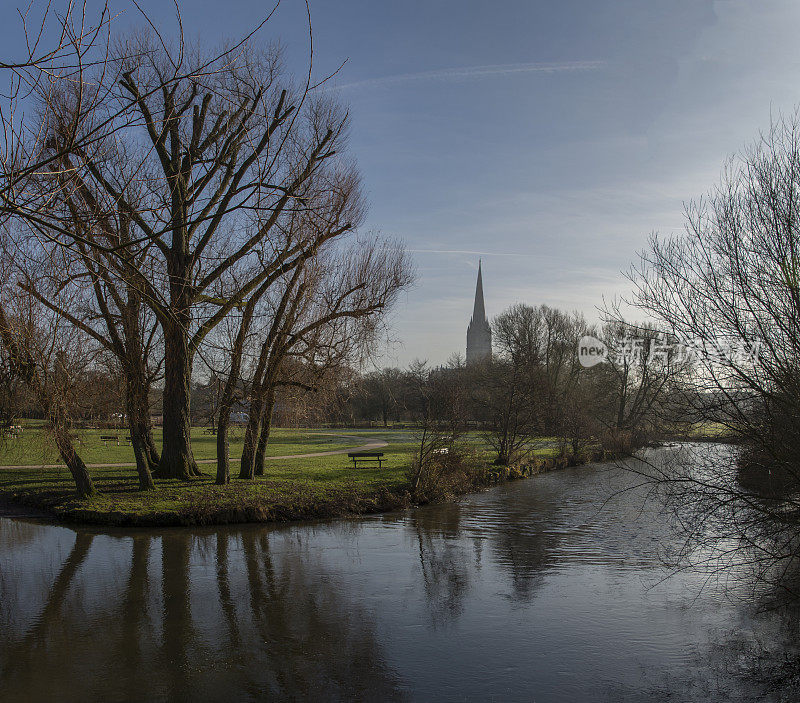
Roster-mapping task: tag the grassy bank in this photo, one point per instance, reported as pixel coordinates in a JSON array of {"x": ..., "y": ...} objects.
[
  {"x": 701, "y": 432},
  {"x": 291, "y": 489}
]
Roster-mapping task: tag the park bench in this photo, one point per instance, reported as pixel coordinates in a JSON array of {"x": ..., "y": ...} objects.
[
  {"x": 106, "y": 438},
  {"x": 366, "y": 456}
]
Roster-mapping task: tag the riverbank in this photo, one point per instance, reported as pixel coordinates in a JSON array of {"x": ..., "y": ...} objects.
[
  {"x": 302, "y": 487},
  {"x": 313, "y": 479}
]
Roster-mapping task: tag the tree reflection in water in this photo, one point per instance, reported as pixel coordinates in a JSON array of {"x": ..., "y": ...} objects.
[
  {"x": 186, "y": 617},
  {"x": 445, "y": 563}
]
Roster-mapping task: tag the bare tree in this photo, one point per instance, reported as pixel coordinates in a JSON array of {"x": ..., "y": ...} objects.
[
  {"x": 47, "y": 355},
  {"x": 645, "y": 367},
  {"x": 327, "y": 313},
  {"x": 64, "y": 41},
  {"x": 523, "y": 388},
  {"x": 729, "y": 288},
  {"x": 439, "y": 401},
  {"x": 101, "y": 300},
  {"x": 52, "y": 107},
  {"x": 382, "y": 393},
  {"x": 205, "y": 158},
  {"x": 544, "y": 341},
  {"x": 332, "y": 209},
  {"x": 507, "y": 399},
  {"x": 233, "y": 381}
]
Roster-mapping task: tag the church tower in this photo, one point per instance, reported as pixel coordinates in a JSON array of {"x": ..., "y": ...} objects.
[{"x": 479, "y": 334}]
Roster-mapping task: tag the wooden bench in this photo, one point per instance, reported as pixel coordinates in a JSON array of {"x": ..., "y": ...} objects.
[
  {"x": 129, "y": 441},
  {"x": 106, "y": 438},
  {"x": 366, "y": 456}
]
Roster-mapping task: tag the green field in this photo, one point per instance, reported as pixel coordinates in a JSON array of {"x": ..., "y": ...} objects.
[
  {"x": 33, "y": 447},
  {"x": 291, "y": 488}
]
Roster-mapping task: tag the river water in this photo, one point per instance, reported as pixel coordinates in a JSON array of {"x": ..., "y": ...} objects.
[{"x": 538, "y": 590}]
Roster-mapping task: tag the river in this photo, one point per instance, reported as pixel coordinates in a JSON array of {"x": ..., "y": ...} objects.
[{"x": 537, "y": 590}]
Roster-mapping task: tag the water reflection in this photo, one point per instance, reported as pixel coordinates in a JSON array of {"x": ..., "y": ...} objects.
[
  {"x": 532, "y": 590},
  {"x": 182, "y": 617},
  {"x": 444, "y": 562}
]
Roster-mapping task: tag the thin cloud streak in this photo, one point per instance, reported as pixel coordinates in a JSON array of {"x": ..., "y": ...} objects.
[
  {"x": 467, "y": 251},
  {"x": 472, "y": 73}
]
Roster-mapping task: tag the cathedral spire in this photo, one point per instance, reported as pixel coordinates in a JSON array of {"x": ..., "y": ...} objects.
[
  {"x": 479, "y": 333},
  {"x": 479, "y": 311}
]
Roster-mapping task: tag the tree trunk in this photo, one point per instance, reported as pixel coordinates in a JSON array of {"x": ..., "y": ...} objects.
[
  {"x": 83, "y": 482},
  {"x": 177, "y": 460},
  {"x": 142, "y": 469},
  {"x": 223, "y": 460},
  {"x": 251, "y": 435},
  {"x": 145, "y": 428},
  {"x": 151, "y": 452},
  {"x": 138, "y": 430},
  {"x": 263, "y": 437},
  {"x": 225, "y": 402},
  {"x": 134, "y": 358},
  {"x": 622, "y": 399}
]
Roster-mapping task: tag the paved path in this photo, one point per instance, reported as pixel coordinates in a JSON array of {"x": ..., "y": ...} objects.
[{"x": 369, "y": 446}]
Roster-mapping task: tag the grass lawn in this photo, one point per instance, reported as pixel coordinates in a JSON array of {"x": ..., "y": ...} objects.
[
  {"x": 34, "y": 448},
  {"x": 294, "y": 488},
  {"x": 713, "y": 430},
  {"x": 290, "y": 489}
]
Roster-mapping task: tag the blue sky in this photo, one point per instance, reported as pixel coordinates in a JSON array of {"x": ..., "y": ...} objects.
[{"x": 548, "y": 138}]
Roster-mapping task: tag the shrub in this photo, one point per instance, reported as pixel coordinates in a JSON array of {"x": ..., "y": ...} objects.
[{"x": 445, "y": 473}]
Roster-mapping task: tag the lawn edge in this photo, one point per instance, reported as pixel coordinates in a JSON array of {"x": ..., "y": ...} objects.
[{"x": 344, "y": 502}]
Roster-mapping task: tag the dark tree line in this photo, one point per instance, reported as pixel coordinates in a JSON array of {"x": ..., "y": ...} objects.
[{"x": 533, "y": 387}]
